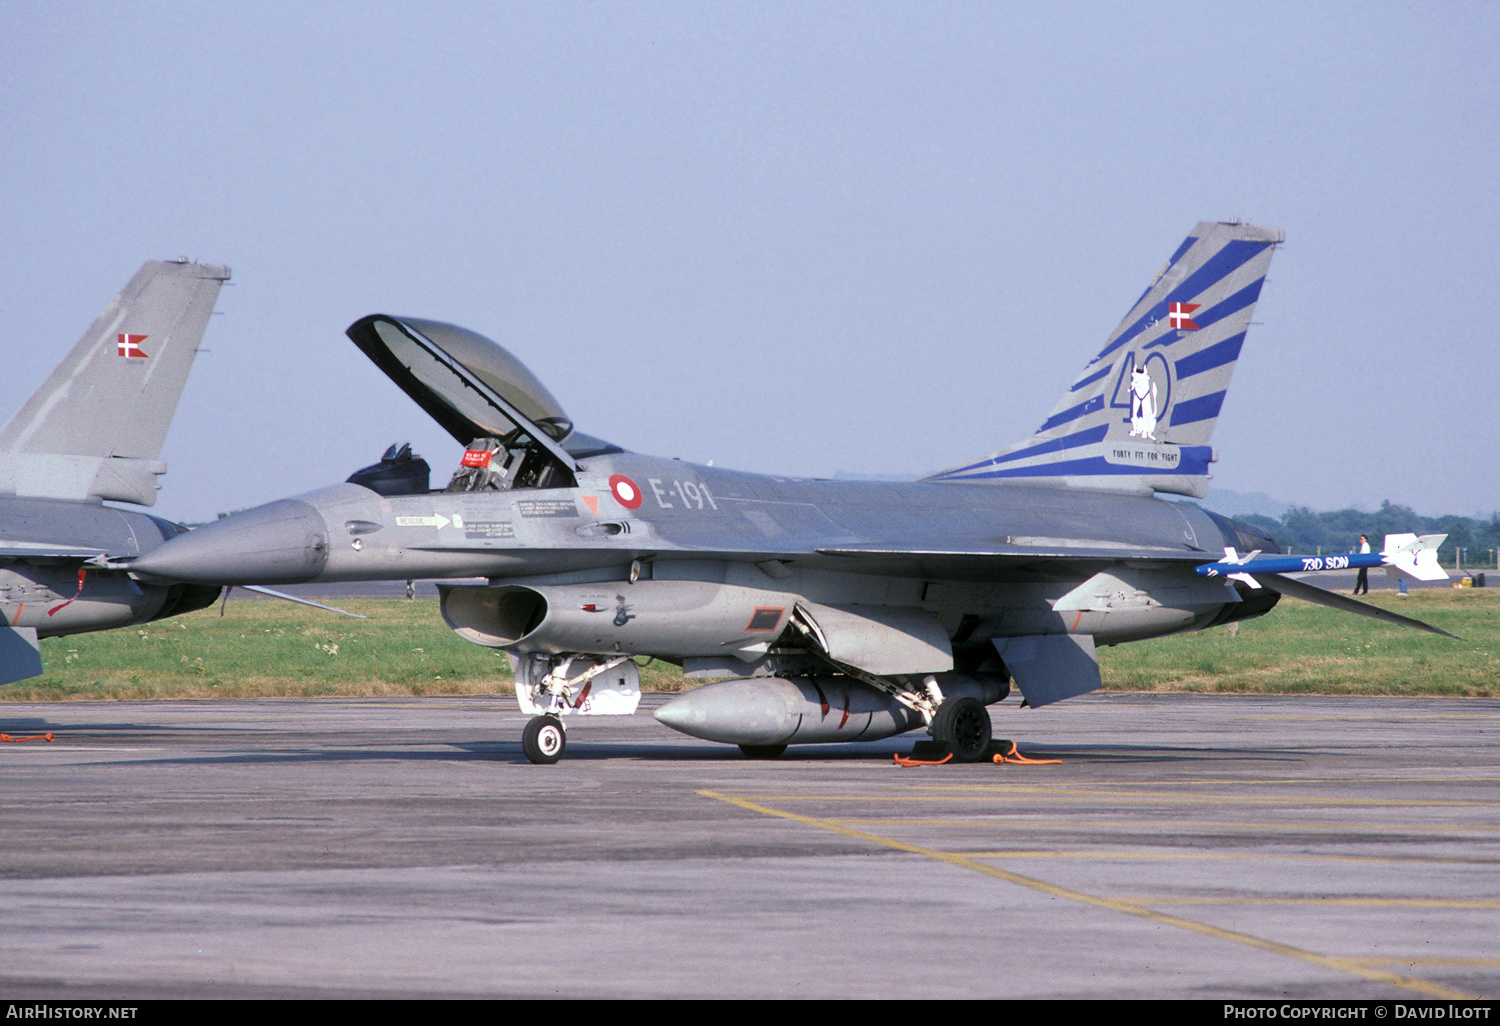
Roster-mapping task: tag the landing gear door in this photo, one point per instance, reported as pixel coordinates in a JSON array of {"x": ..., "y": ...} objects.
[
  {"x": 576, "y": 685},
  {"x": 881, "y": 640}
]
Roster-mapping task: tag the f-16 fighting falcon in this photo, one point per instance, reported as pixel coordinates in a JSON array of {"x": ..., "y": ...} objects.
[
  {"x": 835, "y": 610},
  {"x": 93, "y": 432}
]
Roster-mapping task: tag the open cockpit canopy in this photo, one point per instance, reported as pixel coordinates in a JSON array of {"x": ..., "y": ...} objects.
[
  {"x": 470, "y": 385},
  {"x": 515, "y": 434}
]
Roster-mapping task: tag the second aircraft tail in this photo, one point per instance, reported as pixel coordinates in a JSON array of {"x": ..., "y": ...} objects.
[{"x": 94, "y": 429}]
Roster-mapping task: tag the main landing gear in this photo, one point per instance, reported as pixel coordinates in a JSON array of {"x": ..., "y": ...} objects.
[
  {"x": 958, "y": 724},
  {"x": 962, "y": 726}
]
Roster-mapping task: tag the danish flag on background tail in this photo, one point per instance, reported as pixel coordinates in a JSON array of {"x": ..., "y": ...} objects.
[
  {"x": 1180, "y": 315},
  {"x": 130, "y": 345}
]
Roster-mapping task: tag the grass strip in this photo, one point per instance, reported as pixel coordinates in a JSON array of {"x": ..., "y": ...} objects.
[{"x": 262, "y": 648}]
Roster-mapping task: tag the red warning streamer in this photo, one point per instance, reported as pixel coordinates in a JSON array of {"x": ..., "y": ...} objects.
[{"x": 54, "y": 610}]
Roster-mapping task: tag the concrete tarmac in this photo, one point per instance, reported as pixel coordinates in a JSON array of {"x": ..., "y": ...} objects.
[{"x": 1250, "y": 847}]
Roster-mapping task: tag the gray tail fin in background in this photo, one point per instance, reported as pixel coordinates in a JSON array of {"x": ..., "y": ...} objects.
[
  {"x": 94, "y": 429},
  {"x": 1140, "y": 415}
]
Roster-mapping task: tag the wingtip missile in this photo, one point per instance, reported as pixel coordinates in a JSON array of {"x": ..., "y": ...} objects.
[
  {"x": 1414, "y": 556},
  {"x": 1407, "y": 554}
]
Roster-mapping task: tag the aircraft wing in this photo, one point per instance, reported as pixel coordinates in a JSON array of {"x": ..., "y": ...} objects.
[
  {"x": 1319, "y": 596},
  {"x": 1007, "y": 562},
  {"x": 1011, "y": 563},
  {"x": 1016, "y": 555},
  {"x": 1062, "y": 562},
  {"x": 23, "y": 550}
]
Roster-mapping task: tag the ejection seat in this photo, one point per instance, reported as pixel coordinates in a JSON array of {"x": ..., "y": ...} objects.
[{"x": 486, "y": 466}]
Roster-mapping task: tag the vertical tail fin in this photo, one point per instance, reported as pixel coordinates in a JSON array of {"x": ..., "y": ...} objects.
[
  {"x": 1140, "y": 415},
  {"x": 95, "y": 427}
]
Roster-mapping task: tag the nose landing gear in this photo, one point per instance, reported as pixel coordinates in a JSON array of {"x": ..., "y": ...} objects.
[
  {"x": 544, "y": 740},
  {"x": 550, "y": 687}
]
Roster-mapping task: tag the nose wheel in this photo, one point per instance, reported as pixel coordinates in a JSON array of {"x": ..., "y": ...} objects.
[{"x": 544, "y": 740}]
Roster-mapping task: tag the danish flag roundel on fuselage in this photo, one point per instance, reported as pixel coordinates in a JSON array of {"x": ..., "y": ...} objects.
[{"x": 625, "y": 491}]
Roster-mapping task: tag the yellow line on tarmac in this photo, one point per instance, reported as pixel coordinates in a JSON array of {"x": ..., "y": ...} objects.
[
  {"x": 1149, "y": 856},
  {"x": 1476, "y": 903},
  {"x": 1347, "y": 965},
  {"x": 1177, "y": 825},
  {"x": 989, "y": 791},
  {"x": 1276, "y": 781},
  {"x": 1383, "y": 718},
  {"x": 1447, "y": 963}
]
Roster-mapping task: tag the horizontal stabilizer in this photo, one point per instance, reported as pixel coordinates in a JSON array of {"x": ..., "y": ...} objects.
[
  {"x": 1312, "y": 593},
  {"x": 20, "y": 654}
]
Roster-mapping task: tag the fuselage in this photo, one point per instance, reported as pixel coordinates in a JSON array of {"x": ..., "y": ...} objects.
[
  {"x": 40, "y": 583},
  {"x": 988, "y": 560}
]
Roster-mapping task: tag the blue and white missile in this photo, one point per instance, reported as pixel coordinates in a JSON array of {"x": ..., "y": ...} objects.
[{"x": 1409, "y": 554}]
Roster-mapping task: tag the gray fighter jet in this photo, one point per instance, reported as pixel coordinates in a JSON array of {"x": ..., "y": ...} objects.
[
  {"x": 838, "y": 610},
  {"x": 93, "y": 432}
]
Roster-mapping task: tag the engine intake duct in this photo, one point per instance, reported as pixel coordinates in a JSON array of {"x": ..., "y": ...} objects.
[
  {"x": 661, "y": 618},
  {"x": 494, "y": 617}
]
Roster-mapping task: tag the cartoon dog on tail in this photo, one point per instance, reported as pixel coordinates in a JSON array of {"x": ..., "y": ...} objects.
[{"x": 1142, "y": 404}]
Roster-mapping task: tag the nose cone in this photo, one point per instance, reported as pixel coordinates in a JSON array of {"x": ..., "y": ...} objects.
[{"x": 283, "y": 542}]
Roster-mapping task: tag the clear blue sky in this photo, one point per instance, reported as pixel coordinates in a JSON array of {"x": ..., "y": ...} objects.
[{"x": 804, "y": 238}]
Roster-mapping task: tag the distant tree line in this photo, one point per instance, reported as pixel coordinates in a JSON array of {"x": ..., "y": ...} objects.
[{"x": 1302, "y": 530}]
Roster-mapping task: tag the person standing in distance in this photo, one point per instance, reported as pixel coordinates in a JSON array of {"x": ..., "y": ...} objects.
[{"x": 1362, "y": 582}]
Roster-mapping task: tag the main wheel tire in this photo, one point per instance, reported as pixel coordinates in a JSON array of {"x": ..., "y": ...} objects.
[
  {"x": 962, "y": 725},
  {"x": 544, "y": 740},
  {"x": 762, "y": 751}
]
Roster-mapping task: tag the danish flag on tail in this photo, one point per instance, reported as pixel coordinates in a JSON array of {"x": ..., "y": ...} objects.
[
  {"x": 1180, "y": 315},
  {"x": 130, "y": 345}
]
